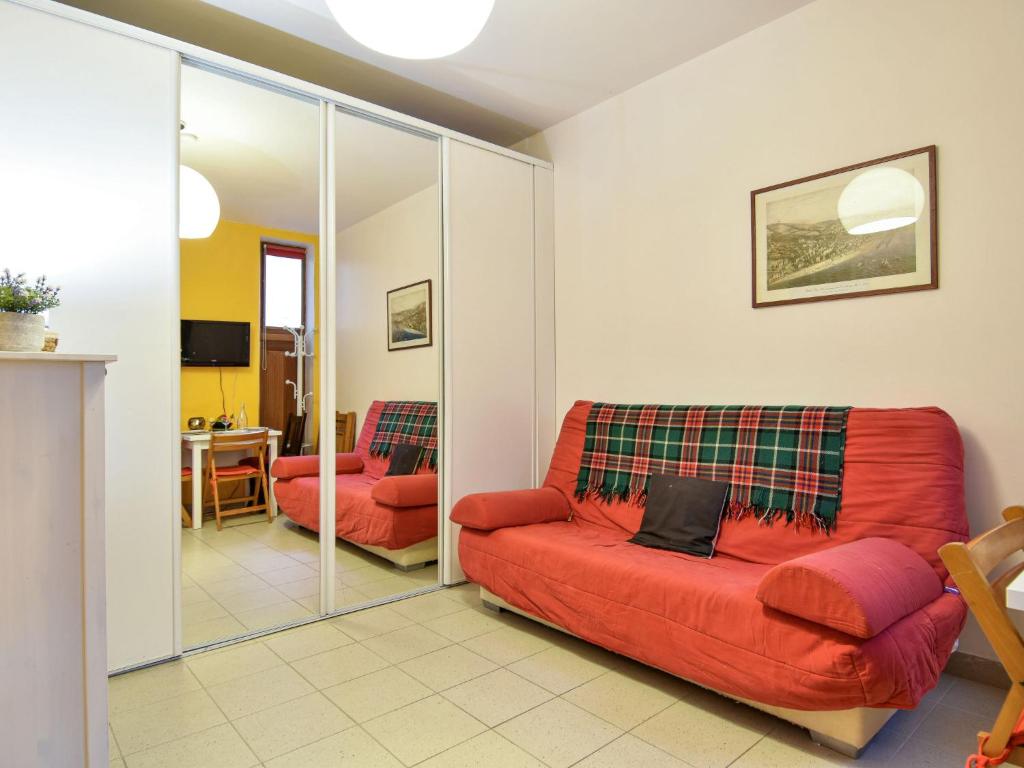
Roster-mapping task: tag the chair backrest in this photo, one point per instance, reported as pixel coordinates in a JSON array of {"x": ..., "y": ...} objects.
[
  {"x": 294, "y": 433},
  {"x": 254, "y": 439},
  {"x": 970, "y": 564},
  {"x": 344, "y": 432}
]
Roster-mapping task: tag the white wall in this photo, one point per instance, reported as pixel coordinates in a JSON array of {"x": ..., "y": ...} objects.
[
  {"x": 653, "y": 226},
  {"x": 88, "y": 165},
  {"x": 395, "y": 247}
]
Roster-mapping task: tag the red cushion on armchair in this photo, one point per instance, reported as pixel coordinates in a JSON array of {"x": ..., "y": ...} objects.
[{"x": 859, "y": 588}]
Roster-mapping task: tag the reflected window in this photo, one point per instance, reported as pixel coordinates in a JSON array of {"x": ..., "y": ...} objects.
[{"x": 284, "y": 285}]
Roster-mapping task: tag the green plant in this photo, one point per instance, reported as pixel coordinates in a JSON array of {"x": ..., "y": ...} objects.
[{"x": 16, "y": 295}]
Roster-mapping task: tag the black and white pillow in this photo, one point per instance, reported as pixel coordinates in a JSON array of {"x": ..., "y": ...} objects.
[
  {"x": 683, "y": 514},
  {"x": 405, "y": 459}
]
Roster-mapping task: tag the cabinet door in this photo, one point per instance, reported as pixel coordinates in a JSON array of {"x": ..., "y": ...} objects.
[
  {"x": 89, "y": 166},
  {"x": 490, "y": 373}
]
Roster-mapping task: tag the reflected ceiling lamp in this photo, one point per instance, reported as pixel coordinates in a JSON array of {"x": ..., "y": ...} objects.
[
  {"x": 880, "y": 199},
  {"x": 198, "y": 205},
  {"x": 412, "y": 29}
]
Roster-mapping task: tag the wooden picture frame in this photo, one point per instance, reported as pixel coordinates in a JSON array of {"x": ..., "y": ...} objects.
[
  {"x": 410, "y": 315},
  {"x": 804, "y": 249}
]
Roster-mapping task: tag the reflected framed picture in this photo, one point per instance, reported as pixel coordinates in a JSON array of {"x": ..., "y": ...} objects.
[
  {"x": 862, "y": 230},
  {"x": 410, "y": 310}
]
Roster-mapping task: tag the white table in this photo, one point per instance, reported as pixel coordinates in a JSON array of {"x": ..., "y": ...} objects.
[
  {"x": 199, "y": 442},
  {"x": 1015, "y": 593}
]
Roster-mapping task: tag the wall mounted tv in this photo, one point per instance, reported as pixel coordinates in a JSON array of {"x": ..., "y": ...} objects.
[{"x": 214, "y": 343}]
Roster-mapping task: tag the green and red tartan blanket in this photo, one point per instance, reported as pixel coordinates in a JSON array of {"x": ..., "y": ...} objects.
[
  {"x": 407, "y": 421},
  {"x": 780, "y": 461}
]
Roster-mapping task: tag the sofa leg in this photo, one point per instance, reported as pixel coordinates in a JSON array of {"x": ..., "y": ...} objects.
[
  {"x": 408, "y": 568},
  {"x": 491, "y": 607},
  {"x": 836, "y": 745}
]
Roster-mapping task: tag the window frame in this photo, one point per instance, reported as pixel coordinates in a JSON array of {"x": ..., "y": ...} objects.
[{"x": 299, "y": 252}]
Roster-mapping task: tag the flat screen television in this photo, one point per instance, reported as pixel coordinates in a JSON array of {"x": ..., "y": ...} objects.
[{"x": 214, "y": 343}]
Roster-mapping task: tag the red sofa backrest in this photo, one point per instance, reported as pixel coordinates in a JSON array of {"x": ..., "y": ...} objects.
[
  {"x": 903, "y": 480},
  {"x": 372, "y": 465}
]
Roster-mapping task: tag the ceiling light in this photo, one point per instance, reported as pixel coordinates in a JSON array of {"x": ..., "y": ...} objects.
[
  {"x": 198, "y": 206},
  {"x": 880, "y": 199},
  {"x": 413, "y": 29}
]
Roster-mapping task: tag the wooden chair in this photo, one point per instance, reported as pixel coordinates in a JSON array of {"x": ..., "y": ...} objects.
[
  {"x": 294, "y": 434},
  {"x": 344, "y": 432},
  {"x": 186, "y": 476},
  {"x": 214, "y": 475},
  {"x": 970, "y": 565}
]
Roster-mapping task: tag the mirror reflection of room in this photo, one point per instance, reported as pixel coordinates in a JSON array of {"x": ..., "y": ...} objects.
[
  {"x": 249, "y": 222},
  {"x": 388, "y": 366}
]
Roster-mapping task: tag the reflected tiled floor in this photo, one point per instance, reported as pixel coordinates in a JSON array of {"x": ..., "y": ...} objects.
[
  {"x": 436, "y": 681},
  {"x": 256, "y": 575}
]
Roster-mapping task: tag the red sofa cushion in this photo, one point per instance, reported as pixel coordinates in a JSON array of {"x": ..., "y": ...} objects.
[
  {"x": 489, "y": 511},
  {"x": 700, "y": 619},
  {"x": 902, "y": 480},
  {"x": 406, "y": 490},
  {"x": 859, "y": 588},
  {"x": 287, "y": 467}
]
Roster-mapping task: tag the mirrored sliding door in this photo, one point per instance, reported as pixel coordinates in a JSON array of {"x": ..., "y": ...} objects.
[
  {"x": 249, "y": 368},
  {"x": 387, "y": 215}
]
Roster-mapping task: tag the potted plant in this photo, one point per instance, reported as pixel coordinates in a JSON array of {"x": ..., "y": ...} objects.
[{"x": 21, "y": 306}]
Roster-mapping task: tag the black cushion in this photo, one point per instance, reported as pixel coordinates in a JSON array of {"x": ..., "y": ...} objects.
[
  {"x": 682, "y": 514},
  {"x": 405, "y": 459}
]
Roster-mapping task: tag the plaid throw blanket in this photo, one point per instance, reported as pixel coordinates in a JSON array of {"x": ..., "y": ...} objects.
[
  {"x": 407, "y": 421},
  {"x": 779, "y": 460}
]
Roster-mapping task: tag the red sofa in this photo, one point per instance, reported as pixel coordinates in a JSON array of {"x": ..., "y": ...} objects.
[
  {"x": 394, "y": 517},
  {"x": 843, "y": 657}
]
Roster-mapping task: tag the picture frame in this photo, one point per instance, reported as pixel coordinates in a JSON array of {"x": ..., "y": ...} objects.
[
  {"x": 824, "y": 237},
  {"x": 410, "y": 314}
]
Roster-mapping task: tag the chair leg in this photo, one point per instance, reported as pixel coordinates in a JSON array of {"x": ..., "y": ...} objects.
[
  {"x": 216, "y": 502},
  {"x": 186, "y": 518},
  {"x": 266, "y": 495}
]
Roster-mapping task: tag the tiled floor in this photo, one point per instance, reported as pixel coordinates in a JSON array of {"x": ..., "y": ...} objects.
[
  {"x": 255, "y": 575},
  {"x": 436, "y": 681}
]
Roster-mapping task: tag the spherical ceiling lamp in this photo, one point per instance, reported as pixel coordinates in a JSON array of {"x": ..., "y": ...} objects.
[
  {"x": 880, "y": 199},
  {"x": 198, "y": 205},
  {"x": 413, "y": 29}
]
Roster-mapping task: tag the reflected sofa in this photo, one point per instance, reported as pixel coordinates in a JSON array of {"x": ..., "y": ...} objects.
[
  {"x": 393, "y": 517},
  {"x": 567, "y": 563}
]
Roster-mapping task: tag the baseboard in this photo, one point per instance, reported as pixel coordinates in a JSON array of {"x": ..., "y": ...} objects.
[{"x": 978, "y": 668}]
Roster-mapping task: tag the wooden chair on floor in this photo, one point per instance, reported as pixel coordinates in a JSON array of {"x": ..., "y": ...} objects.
[
  {"x": 970, "y": 565},
  {"x": 293, "y": 435},
  {"x": 186, "y": 476},
  {"x": 214, "y": 475},
  {"x": 344, "y": 432}
]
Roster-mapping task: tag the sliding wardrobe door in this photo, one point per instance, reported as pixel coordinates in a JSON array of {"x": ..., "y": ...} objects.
[
  {"x": 490, "y": 313},
  {"x": 88, "y": 162},
  {"x": 250, "y": 552},
  {"x": 387, "y": 219}
]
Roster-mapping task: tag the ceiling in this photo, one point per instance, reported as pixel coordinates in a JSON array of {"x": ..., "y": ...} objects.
[
  {"x": 535, "y": 63},
  {"x": 538, "y": 62},
  {"x": 260, "y": 151}
]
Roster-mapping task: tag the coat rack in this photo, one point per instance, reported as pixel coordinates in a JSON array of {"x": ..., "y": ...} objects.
[{"x": 301, "y": 344}]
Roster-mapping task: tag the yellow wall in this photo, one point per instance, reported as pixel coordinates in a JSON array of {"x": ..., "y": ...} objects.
[{"x": 220, "y": 280}]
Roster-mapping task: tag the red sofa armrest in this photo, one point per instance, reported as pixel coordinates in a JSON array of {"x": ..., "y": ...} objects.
[
  {"x": 406, "y": 490},
  {"x": 287, "y": 467},
  {"x": 859, "y": 588},
  {"x": 488, "y": 511}
]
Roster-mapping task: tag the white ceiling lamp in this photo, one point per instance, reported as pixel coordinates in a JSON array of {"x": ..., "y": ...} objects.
[
  {"x": 880, "y": 199},
  {"x": 198, "y": 205},
  {"x": 413, "y": 29}
]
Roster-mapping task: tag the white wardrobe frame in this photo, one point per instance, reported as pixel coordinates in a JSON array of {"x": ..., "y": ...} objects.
[{"x": 329, "y": 101}]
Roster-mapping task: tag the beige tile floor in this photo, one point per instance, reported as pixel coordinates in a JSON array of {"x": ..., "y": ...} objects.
[
  {"x": 436, "y": 681},
  {"x": 255, "y": 575}
]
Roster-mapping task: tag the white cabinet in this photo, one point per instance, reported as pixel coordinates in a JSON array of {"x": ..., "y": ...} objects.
[{"x": 53, "y": 653}]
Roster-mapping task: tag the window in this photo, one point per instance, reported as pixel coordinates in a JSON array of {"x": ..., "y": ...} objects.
[{"x": 284, "y": 285}]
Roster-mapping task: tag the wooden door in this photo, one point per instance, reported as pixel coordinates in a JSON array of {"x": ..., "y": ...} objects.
[{"x": 276, "y": 398}]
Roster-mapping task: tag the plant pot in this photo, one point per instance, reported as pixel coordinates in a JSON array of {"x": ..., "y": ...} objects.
[{"x": 21, "y": 333}]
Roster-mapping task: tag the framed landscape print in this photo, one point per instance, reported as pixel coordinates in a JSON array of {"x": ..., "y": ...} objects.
[
  {"x": 862, "y": 230},
  {"x": 409, "y": 316}
]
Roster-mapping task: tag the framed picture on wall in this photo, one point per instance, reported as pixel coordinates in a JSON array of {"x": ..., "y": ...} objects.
[
  {"x": 861, "y": 230},
  {"x": 410, "y": 310}
]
